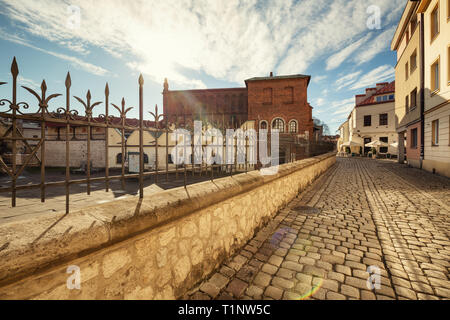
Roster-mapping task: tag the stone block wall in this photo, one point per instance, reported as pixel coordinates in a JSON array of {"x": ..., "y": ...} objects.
[{"x": 154, "y": 248}]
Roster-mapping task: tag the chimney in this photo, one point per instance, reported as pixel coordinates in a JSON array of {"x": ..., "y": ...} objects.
[{"x": 166, "y": 85}]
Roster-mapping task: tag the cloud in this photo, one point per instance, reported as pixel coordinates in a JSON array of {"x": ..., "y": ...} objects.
[
  {"x": 317, "y": 79},
  {"x": 347, "y": 80},
  {"x": 28, "y": 82},
  {"x": 86, "y": 66},
  {"x": 320, "y": 102},
  {"x": 381, "y": 73},
  {"x": 376, "y": 46},
  {"x": 344, "y": 109},
  {"x": 335, "y": 60},
  {"x": 228, "y": 40}
]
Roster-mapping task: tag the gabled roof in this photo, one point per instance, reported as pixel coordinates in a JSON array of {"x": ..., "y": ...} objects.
[{"x": 389, "y": 88}]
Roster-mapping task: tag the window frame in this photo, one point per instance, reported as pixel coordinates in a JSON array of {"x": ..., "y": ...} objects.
[
  {"x": 266, "y": 93},
  {"x": 414, "y": 138},
  {"x": 448, "y": 11},
  {"x": 432, "y": 37},
  {"x": 433, "y": 76},
  {"x": 370, "y": 120},
  {"x": 296, "y": 126},
  {"x": 407, "y": 104},
  {"x": 435, "y": 133},
  {"x": 413, "y": 94},
  {"x": 448, "y": 61},
  {"x": 407, "y": 70},
  {"x": 289, "y": 90},
  {"x": 261, "y": 123},
  {"x": 282, "y": 120},
  {"x": 380, "y": 119},
  {"x": 411, "y": 70}
]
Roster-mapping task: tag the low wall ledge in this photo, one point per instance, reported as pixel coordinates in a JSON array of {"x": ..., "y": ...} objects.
[{"x": 40, "y": 243}]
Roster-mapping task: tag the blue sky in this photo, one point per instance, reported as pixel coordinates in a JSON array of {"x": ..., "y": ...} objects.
[{"x": 198, "y": 44}]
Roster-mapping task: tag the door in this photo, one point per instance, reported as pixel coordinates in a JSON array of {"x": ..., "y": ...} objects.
[{"x": 367, "y": 149}]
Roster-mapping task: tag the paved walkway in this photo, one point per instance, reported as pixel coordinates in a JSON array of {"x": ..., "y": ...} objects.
[{"x": 360, "y": 213}]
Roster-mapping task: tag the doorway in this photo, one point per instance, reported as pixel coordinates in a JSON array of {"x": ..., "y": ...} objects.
[{"x": 367, "y": 149}]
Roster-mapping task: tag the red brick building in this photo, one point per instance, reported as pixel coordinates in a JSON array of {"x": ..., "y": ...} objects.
[{"x": 272, "y": 102}]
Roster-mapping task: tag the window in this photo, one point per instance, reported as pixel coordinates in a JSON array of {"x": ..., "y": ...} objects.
[
  {"x": 145, "y": 158},
  {"x": 434, "y": 20},
  {"x": 391, "y": 97},
  {"x": 435, "y": 133},
  {"x": 413, "y": 62},
  {"x": 289, "y": 95},
  {"x": 267, "y": 92},
  {"x": 407, "y": 36},
  {"x": 383, "y": 149},
  {"x": 448, "y": 10},
  {"x": 414, "y": 138},
  {"x": 278, "y": 124},
  {"x": 378, "y": 99},
  {"x": 385, "y": 98},
  {"x": 406, "y": 71},
  {"x": 413, "y": 23},
  {"x": 407, "y": 104},
  {"x": 263, "y": 125},
  {"x": 448, "y": 64},
  {"x": 367, "y": 121},
  {"x": 413, "y": 99},
  {"x": 383, "y": 119},
  {"x": 435, "y": 76},
  {"x": 119, "y": 158},
  {"x": 293, "y": 126}
]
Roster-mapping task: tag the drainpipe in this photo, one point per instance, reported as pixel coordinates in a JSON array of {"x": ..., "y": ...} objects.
[{"x": 422, "y": 91}]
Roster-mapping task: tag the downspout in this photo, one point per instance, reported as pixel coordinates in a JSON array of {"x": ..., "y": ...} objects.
[{"x": 422, "y": 90}]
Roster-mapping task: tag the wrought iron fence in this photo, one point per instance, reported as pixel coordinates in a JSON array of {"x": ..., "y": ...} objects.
[{"x": 13, "y": 162}]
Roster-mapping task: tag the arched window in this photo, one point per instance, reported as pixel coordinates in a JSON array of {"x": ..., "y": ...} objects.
[
  {"x": 278, "y": 123},
  {"x": 145, "y": 158},
  {"x": 119, "y": 158},
  {"x": 293, "y": 126},
  {"x": 263, "y": 124}
]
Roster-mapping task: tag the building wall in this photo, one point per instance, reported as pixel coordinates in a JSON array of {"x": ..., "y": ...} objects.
[
  {"x": 437, "y": 158},
  {"x": 375, "y": 131},
  {"x": 404, "y": 86},
  {"x": 413, "y": 154},
  {"x": 283, "y": 105},
  {"x": 437, "y": 104},
  {"x": 214, "y": 104},
  {"x": 56, "y": 153}
]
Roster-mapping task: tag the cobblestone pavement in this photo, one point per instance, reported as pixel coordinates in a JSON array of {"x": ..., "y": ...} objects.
[{"x": 360, "y": 213}]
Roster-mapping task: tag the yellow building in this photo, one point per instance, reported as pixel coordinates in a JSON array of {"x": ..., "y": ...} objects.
[
  {"x": 436, "y": 16},
  {"x": 343, "y": 136},
  {"x": 408, "y": 75}
]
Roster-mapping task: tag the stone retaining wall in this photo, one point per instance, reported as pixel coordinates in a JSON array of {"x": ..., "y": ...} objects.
[{"x": 154, "y": 248}]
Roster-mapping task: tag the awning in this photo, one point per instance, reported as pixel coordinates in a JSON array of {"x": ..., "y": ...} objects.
[
  {"x": 351, "y": 144},
  {"x": 376, "y": 143}
]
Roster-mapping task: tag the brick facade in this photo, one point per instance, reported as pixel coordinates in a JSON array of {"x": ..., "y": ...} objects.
[{"x": 262, "y": 100}]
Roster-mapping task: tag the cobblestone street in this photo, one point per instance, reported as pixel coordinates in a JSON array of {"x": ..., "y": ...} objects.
[{"x": 360, "y": 213}]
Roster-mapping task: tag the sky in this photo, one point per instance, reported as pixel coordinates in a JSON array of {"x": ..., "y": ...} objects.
[{"x": 198, "y": 44}]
